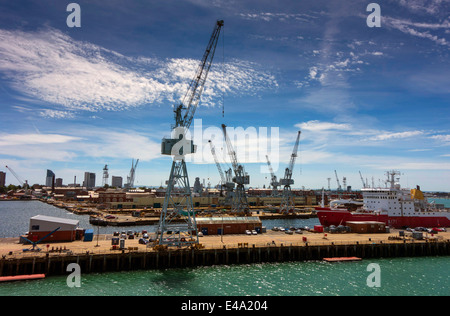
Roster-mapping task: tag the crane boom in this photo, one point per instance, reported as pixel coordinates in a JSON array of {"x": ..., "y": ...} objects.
[
  {"x": 362, "y": 179},
  {"x": 16, "y": 176},
  {"x": 337, "y": 179},
  {"x": 192, "y": 96}
]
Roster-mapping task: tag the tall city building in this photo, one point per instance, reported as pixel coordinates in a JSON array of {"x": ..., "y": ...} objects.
[
  {"x": 116, "y": 182},
  {"x": 2, "y": 178},
  {"x": 89, "y": 180},
  {"x": 49, "y": 178}
]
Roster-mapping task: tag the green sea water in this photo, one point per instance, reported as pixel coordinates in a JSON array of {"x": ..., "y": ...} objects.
[{"x": 427, "y": 276}]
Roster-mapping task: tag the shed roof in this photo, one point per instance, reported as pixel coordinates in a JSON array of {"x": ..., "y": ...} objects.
[
  {"x": 52, "y": 219},
  {"x": 228, "y": 220}
]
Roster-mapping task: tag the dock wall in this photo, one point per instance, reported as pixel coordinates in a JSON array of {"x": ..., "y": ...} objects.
[{"x": 134, "y": 260}]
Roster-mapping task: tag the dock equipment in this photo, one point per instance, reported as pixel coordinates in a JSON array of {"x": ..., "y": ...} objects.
[
  {"x": 34, "y": 243},
  {"x": 239, "y": 204},
  {"x": 177, "y": 226},
  {"x": 226, "y": 180},
  {"x": 341, "y": 259},
  {"x": 22, "y": 277},
  {"x": 130, "y": 177},
  {"x": 287, "y": 202},
  {"x": 273, "y": 179}
]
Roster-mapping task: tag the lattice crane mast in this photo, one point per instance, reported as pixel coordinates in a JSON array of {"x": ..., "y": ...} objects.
[
  {"x": 239, "y": 203},
  {"x": 287, "y": 202},
  {"x": 183, "y": 231}
]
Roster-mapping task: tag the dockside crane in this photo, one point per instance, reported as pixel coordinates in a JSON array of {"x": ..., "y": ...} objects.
[
  {"x": 362, "y": 180},
  {"x": 239, "y": 204},
  {"x": 226, "y": 182},
  {"x": 105, "y": 176},
  {"x": 273, "y": 179},
  {"x": 287, "y": 203},
  {"x": 23, "y": 183},
  {"x": 131, "y": 176},
  {"x": 177, "y": 225},
  {"x": 338, "y": 183}
]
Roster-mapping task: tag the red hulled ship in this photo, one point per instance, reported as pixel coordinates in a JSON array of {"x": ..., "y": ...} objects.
[{"x": 395, "y": 206}]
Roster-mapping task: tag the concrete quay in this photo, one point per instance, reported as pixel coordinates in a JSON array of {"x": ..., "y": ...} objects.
[{"x": 97, "y": 256}]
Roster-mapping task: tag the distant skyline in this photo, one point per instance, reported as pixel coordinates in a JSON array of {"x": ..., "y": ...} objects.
[{"x": 368, "y": 99}]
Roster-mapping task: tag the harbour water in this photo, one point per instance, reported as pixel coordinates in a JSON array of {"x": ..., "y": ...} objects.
[
  {"x": 426, "y": 276},
  {"x": 398, "y": 276}
]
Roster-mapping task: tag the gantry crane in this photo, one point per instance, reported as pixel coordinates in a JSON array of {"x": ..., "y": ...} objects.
[
  {"x": 273, "y": 179},
  {"x": 239, "y": 204},
  {"x": 177, "y": 224},
  {"x": 287, "y": 202},
  {"x": 226, "y": 181}
]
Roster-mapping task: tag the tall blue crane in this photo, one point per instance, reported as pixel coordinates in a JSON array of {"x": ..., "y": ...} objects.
[
  {"x": 287, "y": 202},
  {"x": 239, "y": 203},
  {"x": 177, "y": 224}
]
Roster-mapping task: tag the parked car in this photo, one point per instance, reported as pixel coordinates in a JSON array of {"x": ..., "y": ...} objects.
[
  {"x": 254, "y": 232},
  {"x": 248, "y": 232},
  {"x": 143, "y": 241}
]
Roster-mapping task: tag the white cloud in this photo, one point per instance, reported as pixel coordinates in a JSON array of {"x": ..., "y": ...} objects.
[
  {"x": 34, "y": 139},
  {"x": 443, "y": 138},
  {"x": 389, "y": 135},
  {"x": 322, "y": 126},
  {"x": 409, "y": 27},
  {"x": 52, "y": 67}
]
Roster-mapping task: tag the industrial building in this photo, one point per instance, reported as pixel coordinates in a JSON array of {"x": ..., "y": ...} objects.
[
  {"x": 41, "y": 225},
  {"x": 228, "y": 225}
]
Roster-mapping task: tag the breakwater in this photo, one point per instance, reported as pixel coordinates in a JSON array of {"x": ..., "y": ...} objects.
[{"x": 127, "y": 260}]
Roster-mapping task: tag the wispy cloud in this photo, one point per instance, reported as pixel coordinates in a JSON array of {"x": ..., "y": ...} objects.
[
  {"x": 79, "y": 76},
  {"x": 412, "y": 28},
  {"x": 279, "y": 16},
  {"x": 322, "y": 126},
  {"x": 387, "y": 136}
]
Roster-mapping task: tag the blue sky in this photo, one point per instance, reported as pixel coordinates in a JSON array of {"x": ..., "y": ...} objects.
[{"x": 366, "y": 99}]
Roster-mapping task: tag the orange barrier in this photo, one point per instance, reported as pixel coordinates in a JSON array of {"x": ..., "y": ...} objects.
[{"x": 22, "y": 277}]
